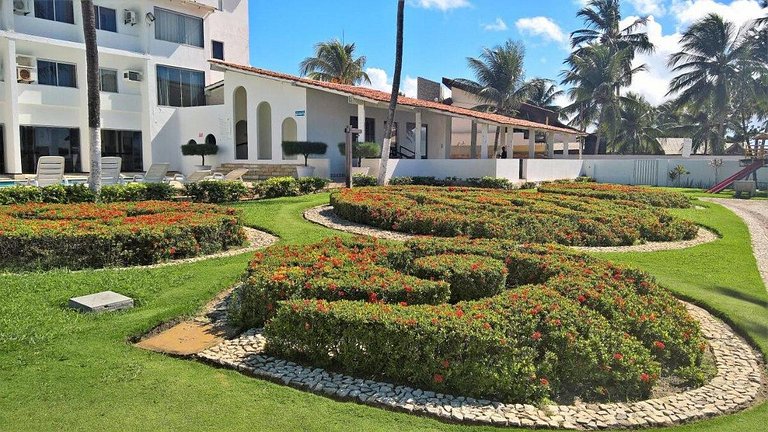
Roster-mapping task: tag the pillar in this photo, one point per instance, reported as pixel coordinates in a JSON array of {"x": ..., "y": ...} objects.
[
  {"x": 10, "y": 115},
  {"x": 149, "y": 104},
  {"x": 551, "y": 145},
  {"x": 581, "y": 146},
  {"x": 448, "y": 137},
  {"x": 417, "y": 137},
  {"x": 531, "y": 144},
  {"x": 473, "y": 141},
  {"x": 82, "y": 87},
  {"x": 361, "y": 122},
  {"x": 484, "y": 148}
]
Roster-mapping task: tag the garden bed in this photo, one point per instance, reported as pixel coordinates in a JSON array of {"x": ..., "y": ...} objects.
[
  {"x": 575, "y": 219},
  {"x": 78, "y": 236},
  {"x": 489, "y": 319}
]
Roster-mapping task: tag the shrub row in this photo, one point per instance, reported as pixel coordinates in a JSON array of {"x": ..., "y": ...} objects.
[
  {"x": 644, "y": 195},
  {"x": 288, "y": 186},
  {"x": 477, "y": 182},
  {"x": 560, "y": 325},
  {"x": 520, "y": 215},
  {"x": 77, "y": 236}
]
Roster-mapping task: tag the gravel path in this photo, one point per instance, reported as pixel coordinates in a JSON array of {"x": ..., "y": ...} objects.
[
  {"x": 755, "y": 215},
  {"x": 325, "y": 216}
]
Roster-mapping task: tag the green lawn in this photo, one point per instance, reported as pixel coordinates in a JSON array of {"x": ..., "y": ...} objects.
[{"x": 64, "y": 371}]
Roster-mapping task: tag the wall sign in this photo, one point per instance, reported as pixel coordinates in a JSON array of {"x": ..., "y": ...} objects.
[{"x": 301, "y": 113}]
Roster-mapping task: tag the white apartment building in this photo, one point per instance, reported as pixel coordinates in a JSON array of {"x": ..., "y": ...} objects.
[{"x": 154, "y": 64}]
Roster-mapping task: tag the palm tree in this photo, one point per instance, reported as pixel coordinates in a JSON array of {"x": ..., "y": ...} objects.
[
  {"x": 499, "y": 80},
  {"x": 94, "y": 99},
  {"x": 594, "y": 74},
  {"x": 544, "y": 94},
  {"x": 394, "y": 95},
  {"x": 638, "y": 131},
  {"x": 709, "y": 68},
  {"x": 335, "y": 62},
  {"x": 603, "y": 26},
  {"x": 687, "y": 121}
]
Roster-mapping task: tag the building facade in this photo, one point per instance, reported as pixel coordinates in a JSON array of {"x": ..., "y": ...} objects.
[{"x": 154, "y": 60}]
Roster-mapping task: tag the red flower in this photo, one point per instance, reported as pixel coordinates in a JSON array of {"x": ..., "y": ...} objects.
[
  {"x": 459, "y": 313},
  {"x": 618, "y": 356},
  {"x": 373, "y": 297},
  {"x": 486, "y": 326},
  {"x": 277, "y": 277},
  {"x": 438, "y": 378},
  {"x": 536, "y": 335},
  {"x": 582, "y": 299},
  {"x": 445, "y": 364},
  {"x": 544, "y": 382},
  {"x": 660, "y": 345},
  {"x": 644, "y": 377},
  {"x": 403, "y": 304}
]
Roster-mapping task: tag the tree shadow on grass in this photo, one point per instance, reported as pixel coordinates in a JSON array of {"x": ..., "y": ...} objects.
[{"x": 730, "y": 292}]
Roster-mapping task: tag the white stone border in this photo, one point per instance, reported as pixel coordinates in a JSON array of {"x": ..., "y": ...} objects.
[
  {"x": 736, "y": 386},
  {"x": 325, "y": 216}
]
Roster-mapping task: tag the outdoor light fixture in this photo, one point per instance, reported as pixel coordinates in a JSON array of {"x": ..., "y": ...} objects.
[{"x": 150, "y": 17}]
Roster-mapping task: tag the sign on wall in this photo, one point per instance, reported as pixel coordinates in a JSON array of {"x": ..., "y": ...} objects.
[{"x": 301, "y": 113}]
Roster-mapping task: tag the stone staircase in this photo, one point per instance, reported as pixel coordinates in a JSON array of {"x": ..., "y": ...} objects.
[{"x": 259, "y": 172}]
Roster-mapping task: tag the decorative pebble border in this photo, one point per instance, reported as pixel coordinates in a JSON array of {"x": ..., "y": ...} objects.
[
  {"x": 736, "y": 386},
  {"x": 325, "y": 216}
]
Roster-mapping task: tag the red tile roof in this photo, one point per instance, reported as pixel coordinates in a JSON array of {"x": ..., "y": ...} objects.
[{"x": 380, "y": 96}]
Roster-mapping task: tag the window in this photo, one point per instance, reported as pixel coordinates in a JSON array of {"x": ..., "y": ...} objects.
[
  {"x": 48, "y": 141},
  {"x": 410, "y": 137},
  {"x": 370, "y": 128},
  {"x": 217, "y": 49},
  {"x": 55, "y": 10},
  {"x": 123, "y": 144},
  {"x": 179, "y": 28},
  {"x": 56, "y": 74},
  {"x": 108, "y": 80},
  {"x": 106, "y": 18},
  {"x": 178, "y": 87}
]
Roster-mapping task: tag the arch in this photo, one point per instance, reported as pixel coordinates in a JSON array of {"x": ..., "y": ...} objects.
[
  {"x": 264, "y": 115},
  {"x": 191, "y": 142},
  {"x": 240, "y": 117},
  {"x": 290, "y": 133},
  {"x": 210, "y": 139}
]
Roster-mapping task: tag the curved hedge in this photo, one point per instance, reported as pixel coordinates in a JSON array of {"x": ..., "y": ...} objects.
[
  {"x": 77, "y": 236},
  {"x": 519, "y": 215},
  {"x": 561, "y": 324},
  {"x": 644, "y": 195}
]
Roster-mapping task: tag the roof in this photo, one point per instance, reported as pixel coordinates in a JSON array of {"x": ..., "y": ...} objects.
[{"x": 379, "y": 96}]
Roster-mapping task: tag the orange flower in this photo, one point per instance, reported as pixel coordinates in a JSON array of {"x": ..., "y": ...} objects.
[{"x": 536, "y": 336}]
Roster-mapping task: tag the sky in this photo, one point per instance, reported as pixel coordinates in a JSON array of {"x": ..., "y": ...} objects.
[{"x": 441, "y": 34}]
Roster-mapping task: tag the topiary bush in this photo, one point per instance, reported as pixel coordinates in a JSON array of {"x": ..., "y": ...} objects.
[
  {"x": 561, "y": 325},
  {"x": 310, "y": 185},
  {"x": 78, "y": 236},
  {"x": 360, "y": 180},
  {"x": 278, "y": 187},
  {"x": 304, "y": 148}
]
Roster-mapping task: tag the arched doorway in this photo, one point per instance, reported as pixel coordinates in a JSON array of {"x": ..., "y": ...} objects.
[
  {"x": 241, "y": 123},
  {"x": 264, "y": 114},
  {"x": 290, "y": 133}
]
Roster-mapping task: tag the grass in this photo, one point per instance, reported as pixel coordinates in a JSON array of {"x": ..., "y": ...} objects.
[{"x": 64, "y": 371}]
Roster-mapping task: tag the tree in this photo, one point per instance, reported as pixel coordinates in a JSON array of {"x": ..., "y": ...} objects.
[
  {"x": 544, "y": 94},
  {"x": 499, "y": 80},
  {"x": 391, "y": 130},
  {"x": 94, "y": 99},
  {"x": 594, "y": 74},
  {"x": 709, "y": 68},
  {"x": 335, "y": 62},
  {"x": 603, "y": 26},
  {"x": 638, "y": 132}
]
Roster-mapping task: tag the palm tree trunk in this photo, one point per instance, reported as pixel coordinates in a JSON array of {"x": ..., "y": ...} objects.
[
  {"x": 393, "y": 98},
  {"x": 597, "y": 144},
  {"x": 94, "y": 101}
]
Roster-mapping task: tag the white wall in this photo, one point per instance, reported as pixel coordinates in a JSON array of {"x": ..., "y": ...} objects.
[
  {"x": 442, "y": 168},
  {"x": 537, "y": 170}
]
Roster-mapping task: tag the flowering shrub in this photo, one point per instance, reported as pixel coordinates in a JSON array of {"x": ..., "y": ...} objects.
[
  {"x": 76, "y": 236},
  {"x": 644, "y": 195},
  {"x": 520, "y": 215},
  {"x": 560, "y": 324}
]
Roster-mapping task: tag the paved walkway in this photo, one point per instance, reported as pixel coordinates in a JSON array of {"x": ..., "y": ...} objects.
[{"x": 755, "y": 215}]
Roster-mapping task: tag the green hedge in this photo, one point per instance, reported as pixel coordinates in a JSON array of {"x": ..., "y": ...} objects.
[
  {"x": 277, "y": 187},
  {"x": 216, "y": 191},
  {"x": 484, "y": 182},
  {"x": 563, "y": 325},
  {"x": 653, "y": 197}
]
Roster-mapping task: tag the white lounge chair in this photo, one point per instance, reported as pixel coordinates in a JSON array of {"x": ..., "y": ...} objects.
[
  {"x": 110, "y": 171},
  {"x": 155, "y": 174},
  {"x": 234, "y": 175},
  {"x": 195, "y": 177},
  {"x": 50, "y": 171}
]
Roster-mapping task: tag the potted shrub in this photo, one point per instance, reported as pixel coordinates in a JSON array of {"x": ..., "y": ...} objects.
[
  {"x": 192, "y": 148},
  {"x": 361, "y": 150},
  {"x": 304, "y": 148}
]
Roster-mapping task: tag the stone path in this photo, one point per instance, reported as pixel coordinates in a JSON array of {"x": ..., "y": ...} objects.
[
  {"x": 325, "y": 216},
  {"x": 755, "y": 215},
  {"x": 736, "y": 386}
]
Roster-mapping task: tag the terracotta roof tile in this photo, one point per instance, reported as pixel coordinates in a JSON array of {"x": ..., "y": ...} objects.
[{"x": 380, "y": 96}]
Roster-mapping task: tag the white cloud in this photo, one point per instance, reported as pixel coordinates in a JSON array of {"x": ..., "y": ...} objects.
[
  {"x": 382, "y": 82},
  {"x": 442, "y": 5},
  {"x": 738, "y": 11},
  {"x": 498, "y": 25},
  {"x": 649, "y": 7},
  {"x": 542, "y": 27}
]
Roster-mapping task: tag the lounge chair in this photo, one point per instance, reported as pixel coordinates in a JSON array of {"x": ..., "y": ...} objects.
[
  {"x": 50, "y": 171},
  {"x": 195, "y": 177},
  {"x": 234, "y": 175},
  {"x": 155, "y": 174},
  {"x": 110, "y": 171}
]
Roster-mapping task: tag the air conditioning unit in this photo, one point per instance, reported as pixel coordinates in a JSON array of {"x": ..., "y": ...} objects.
[
  {"x": 26, "y": 68},
  {"x": 130, "y": 17},
  {"x": 22, "y": 7},
  {"x": 133, "y": 76}
]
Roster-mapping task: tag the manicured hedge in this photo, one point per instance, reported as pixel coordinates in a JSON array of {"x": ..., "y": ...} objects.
[
  {"x": 562, "y": 324},
  {"x": 216, "y": 191},
  {"x": 77, "y": 236},
  {"x": 520, "y": 215},
  {"x": 277, "y": 187},
  {"x": 644, "y": 195}
]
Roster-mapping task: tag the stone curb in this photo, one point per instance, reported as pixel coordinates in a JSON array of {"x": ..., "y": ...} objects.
[
  {"x": 737, "y": 385},
  {"x": 325, "y": 216}
]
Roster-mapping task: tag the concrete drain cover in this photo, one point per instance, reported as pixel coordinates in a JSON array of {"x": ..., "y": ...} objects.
[{"x": 106, "y": 301}]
